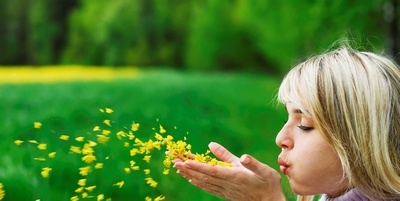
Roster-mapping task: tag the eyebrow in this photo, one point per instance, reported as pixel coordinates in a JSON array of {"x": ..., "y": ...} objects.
[{"x": 296, "y": 111}]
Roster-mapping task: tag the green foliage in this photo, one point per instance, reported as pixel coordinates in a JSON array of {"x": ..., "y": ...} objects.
[
  {"x": 207, "y": 35},
  {"x": 235, "y": 110}
]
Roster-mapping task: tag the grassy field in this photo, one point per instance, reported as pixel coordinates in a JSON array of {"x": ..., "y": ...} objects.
[{"x": 235, "y": 110}]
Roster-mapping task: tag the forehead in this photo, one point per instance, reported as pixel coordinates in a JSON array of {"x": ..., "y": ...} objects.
[{"x": 292, "y": 108}]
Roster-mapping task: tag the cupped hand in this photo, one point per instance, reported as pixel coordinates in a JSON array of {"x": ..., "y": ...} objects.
[{"x": 247, "y": 180}]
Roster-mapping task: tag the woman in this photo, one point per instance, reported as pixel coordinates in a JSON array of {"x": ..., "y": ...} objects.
[{"x": 341, "y": 140}]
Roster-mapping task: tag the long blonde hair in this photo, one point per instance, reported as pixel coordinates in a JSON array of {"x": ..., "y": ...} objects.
[{"x": 354, "y": 99}]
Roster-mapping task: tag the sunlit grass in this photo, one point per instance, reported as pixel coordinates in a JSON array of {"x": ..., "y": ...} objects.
[{"x": 235, "y": 110}]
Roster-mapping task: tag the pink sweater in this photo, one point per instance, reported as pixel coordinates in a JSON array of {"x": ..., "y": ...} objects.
[{"x": 352, "y": 195}]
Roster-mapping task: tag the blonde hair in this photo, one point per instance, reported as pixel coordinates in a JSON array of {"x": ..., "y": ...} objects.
[{"x": 354, "y": 99}]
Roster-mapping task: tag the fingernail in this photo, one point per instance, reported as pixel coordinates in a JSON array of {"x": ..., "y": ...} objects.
[
  {"x": 190, "y": 181},
  {"x": 178, "y": 171},
  {"x": 210, "y": 144},
  {"x": 244, "y": 159}
]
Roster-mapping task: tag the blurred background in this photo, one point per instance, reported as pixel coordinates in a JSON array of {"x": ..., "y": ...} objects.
[
  {"x": 210, "y": 68},
  {"x": 260, "y": 35}
]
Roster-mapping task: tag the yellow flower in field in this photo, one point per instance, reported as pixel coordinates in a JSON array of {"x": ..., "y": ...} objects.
[
  {"x": 135, "y": 126},
  {"x": 107, "y": 122},
  {"x": 98, "y": 166},
  {"x": 64, "y": 137},
  {"x": 146, "y": 171},
  {"x": 119, "y": 184},
  {"x": 52, "y": 154},
  {"x": 37, "y": 124},
  {"x": 151, "y": 182},
  {"x": 80, "y": 139},
  {"x": 2, "y": 192},
  {"x": 45, "y": 171},
  {"x": 42, "y": 146},
  {"x": 84, "y": 171},
  {"x": 18, "y": 142},
  {"x": 88, "y": 158},
  {"x": 82, "y": 182},
  {"x": 100, "y": 197},
  {"x": 75, "y": 198}
]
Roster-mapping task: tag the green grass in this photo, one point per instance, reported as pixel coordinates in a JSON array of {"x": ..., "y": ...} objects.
[{"x": 235, "y": 110}]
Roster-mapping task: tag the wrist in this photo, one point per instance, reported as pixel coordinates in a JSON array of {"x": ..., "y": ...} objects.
[{"x": 278, "y": 196}]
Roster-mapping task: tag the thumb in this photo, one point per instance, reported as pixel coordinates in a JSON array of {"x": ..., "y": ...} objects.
[
  {"x": 255, "y": 166},
  {"x": 222, "y": 153}
]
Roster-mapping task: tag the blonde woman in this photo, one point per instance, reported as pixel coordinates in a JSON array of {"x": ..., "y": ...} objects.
[{"x": 341, "y": 139}]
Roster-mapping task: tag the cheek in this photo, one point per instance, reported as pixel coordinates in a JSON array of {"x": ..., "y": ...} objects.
[{"x": 315, "y": 170}]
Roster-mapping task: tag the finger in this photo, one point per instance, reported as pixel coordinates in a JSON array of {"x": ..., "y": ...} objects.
[
  {"x": 256, "y": 166},
  {"x": 222, "y": 153},
  {"x": 219, "y": 191},
  {"x": 206, "y": 169},
  {"x": 206, "y": 182}
]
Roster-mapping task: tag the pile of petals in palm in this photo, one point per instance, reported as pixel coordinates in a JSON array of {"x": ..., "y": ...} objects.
[{"x": 87, "y": 146}]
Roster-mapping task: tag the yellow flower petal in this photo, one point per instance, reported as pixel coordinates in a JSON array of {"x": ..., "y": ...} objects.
[
  {"x": 18, "y": 142},
  {"x": 135, "y": 126},
  {"x": 119, "y": 184},
  {"x": 98, "y": 166},
  {"x": 162, "y": 130},
  {"x": 42, "y": 146},
  {"x": 82, "y": 182},
  {"x": 80, "y": 139},
  {"x": 37, "y": 124},
  {"x": 100, "y": 197},
  {"x": 52, "y": 154},
  {"x": 64, "y": 137},
  {"x": 45, "y": 171},
  {"x": 90, "y": 188},
  {"x": 107, "y": 122}
]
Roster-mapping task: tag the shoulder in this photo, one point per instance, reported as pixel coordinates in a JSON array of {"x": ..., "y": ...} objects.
[{"x": 352, "y": 195}]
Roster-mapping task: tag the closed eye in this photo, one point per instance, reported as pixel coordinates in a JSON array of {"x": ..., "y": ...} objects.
[{"x": 305, "y": 128}]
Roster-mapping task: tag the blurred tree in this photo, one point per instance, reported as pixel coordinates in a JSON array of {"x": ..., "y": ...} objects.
[
  {"x": 33, "y": 31},
  {"x": 128, "y": 32},
  {"x": 251, "y": 35}
]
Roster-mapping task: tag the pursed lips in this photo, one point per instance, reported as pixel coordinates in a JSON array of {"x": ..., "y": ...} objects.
[{"x": 283, "y": 166}]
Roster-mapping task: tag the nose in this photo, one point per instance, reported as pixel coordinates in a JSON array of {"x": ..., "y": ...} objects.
[{"x": 284, "y": 139}]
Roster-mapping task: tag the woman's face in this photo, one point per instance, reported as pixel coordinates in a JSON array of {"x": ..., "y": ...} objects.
[{"x": 310, "y": 163}]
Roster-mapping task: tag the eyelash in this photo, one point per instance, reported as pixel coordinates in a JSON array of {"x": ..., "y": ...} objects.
[{"x": 305, "y": 128}]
